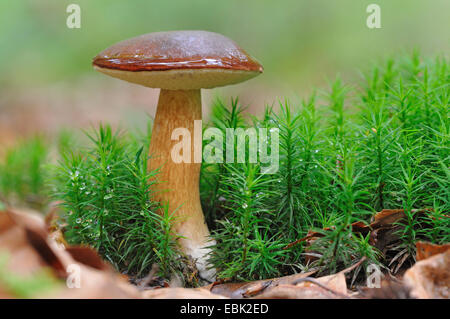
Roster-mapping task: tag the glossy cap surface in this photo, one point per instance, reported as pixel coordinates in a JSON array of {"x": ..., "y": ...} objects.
[{"x": 178, "y": 60}]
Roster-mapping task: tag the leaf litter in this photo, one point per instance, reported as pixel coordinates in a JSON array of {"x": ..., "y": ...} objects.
[{"x": 34, "y": 248}]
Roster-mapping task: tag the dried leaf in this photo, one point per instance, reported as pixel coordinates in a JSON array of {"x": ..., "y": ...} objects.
[
  {"x": 23, "y": 259},
  {"x": 426, "y": 250},
  {"x": 181, "y": 293},
  {"x": 333, "y": 286},
  {"x": 388, "y": 217},
  {"x": 24, "y": 236},
  {"x": 88, "y": 256},
  {"x": 251, "y": 289},
  {"x": 294, "y": 292},
  {"x": 37, "y": 240},
  {"x": 430, "y": 278},
  {"x": 388, "y": 290}
]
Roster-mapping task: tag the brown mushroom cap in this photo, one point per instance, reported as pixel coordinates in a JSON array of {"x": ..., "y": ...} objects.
[{"x": 178, "y": 60}]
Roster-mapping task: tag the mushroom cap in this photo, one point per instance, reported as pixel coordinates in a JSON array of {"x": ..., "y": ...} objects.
[{"x": 178, "y": 60}]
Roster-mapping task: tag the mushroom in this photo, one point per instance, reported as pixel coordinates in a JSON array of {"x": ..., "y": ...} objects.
[{"x": 180, "y": 63}]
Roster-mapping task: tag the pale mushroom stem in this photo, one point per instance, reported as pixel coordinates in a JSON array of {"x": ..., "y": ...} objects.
[{"x": 179, "y": 182}]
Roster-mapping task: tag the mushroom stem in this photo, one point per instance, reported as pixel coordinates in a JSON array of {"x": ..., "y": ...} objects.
[{"x": 179, "y": 182}]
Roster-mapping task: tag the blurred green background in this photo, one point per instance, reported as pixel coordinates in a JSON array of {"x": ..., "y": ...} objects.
[{"x": 46, "y": 66}]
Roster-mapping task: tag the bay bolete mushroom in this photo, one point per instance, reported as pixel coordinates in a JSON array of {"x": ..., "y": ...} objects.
[{"x": 180, "y": 63}]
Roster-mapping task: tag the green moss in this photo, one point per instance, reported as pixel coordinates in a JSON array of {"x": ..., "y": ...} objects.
[
  {"x": 22, "y": 172},
  {"x": 105, "y": 189},
  {"x": 345, "y": 154}
]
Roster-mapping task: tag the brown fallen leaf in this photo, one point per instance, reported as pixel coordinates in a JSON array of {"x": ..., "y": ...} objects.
[
  {"x": 23, "y": 258},
  {"x": 430, "y": 278},
  {"x": 298, "y": 286},
  {"x": 389, "y": 289},
  {"x": 251, "y": 289},
  {"x": 386, "y": 217},
  {"x": 39, "y": 242},
  {"x": 88, "y": 257},
  {"x": 95, "y": 284},
  {"x": 426, "y": 250},
  {"x": 181, "y": 293},
  {"x": 293, "y": 292},
  {"x": 24, "y": 236},
  {"x": 30, "y": 249},
  {"x": 335, "y": 283},
  {"x": 327, "y": 287}
]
